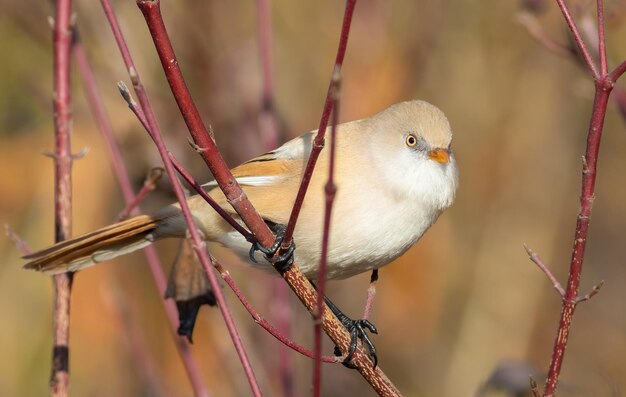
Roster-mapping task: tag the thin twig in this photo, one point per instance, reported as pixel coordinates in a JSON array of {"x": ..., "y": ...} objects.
[
  {"x": 180, "y": 169},
  {"x": 19, "y": 242},
  {"x": 601, "y": 41},
  {"x": 596, "y": 288},
  {"x": 268, "y": 128},
  {"x": 542, "y": 266},
  {"x": 318, "y": 142},
  {"x": 618, "y": 72},
  {"x": 62, "y": 108},
  {"x": 578, "y": 39},
  {"x": 197, "y": 243},
  {"x": 104, "y": 125},
  {"x": 266, "y": 325},
  {"x": 330, "y": 191},
  {"x": 148, "y": 186}
]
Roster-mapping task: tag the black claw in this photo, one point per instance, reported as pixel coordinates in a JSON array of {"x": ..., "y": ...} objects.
[
  {"x": 281, "y": 262},
  {"x": 357, "y": 329}
]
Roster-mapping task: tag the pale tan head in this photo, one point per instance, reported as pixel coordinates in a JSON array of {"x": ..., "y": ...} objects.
[
  {"x": 419, "y": 117},
  {"x": 410, "y": 142}
]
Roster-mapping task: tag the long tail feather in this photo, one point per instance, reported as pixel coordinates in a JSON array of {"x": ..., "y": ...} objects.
[{"x": 95, "y": 247}]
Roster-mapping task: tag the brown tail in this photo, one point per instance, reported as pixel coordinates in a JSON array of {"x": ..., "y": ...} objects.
[{"x": 95, "y": 247}]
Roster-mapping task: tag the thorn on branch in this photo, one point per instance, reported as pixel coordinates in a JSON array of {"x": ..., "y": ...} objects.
[
  {"x": 51, "y": 22},
  {"x": 19, "y": 242},
  {"x": 539, "y": 262},
  {"x": 82, "y": 153},
  {"x": 585, "y": 165},
  {"x": 211, "y": 133},
  {"x": 591, "y": 294},
  {"x": 50, "y": 154},
  {"x": 195, "y": 146}
]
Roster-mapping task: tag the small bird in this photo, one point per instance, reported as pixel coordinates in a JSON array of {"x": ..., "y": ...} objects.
[{"x": 394, "y": 171}]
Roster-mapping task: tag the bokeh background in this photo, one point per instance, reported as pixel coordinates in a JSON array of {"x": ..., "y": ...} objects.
[{"x": 463, "y": 302}]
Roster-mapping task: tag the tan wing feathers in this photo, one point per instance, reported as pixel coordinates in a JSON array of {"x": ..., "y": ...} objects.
[{"x": 69, "y": 250}]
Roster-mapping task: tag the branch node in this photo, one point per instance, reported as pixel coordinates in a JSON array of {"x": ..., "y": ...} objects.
[
  {"x": 585, "y": 165},
  {"x": 195, "y": 146},
  {"x": 82, "y": 153},
  {"x": 134, "y": 76},
  {"x": 50, "y": 154},
  {"x": 596, "y": 288},
  {"x": 153, "y": 177}
]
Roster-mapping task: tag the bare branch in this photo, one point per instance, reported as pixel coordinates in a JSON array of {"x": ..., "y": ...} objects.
[
  {"x": 596, "y": 288},
  {"x": 582, "y": 47},
  {"x": 539, "y": 262}
]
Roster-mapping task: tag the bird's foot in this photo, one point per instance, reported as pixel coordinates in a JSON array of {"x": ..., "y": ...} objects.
[
  {"x": 358, "y": 330},
  {"x": 281, "y": 262}
]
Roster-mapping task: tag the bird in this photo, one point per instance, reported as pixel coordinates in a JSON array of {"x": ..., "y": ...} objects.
[{"x": 395, "y": 174}]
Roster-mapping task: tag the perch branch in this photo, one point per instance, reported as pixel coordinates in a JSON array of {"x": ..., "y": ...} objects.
[{"x": 237, "y": 198}]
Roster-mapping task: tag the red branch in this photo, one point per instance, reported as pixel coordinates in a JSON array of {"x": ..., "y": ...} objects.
[
  {"x": 601, "y": 41},
  {"x": 266, "y": 325},
  {"x": 237, "y": 198},
  {"x": 115, "y": 156},
  {"x": 223, "y": 273},
  {"x": 318, "y": 143},
  {"x": 570, "y": 299},
  {"x": 197, "y": 243},
  {"x": 200, "y": 134},
  {"x": 578, "y": 39},
  {"x": 604, "y": 84},
  {"x": 62, "y": 108},
  {"x": 181, "y": 170},
  {"x": 330, "y": 191},
  {"x": 269, "y": 131}
]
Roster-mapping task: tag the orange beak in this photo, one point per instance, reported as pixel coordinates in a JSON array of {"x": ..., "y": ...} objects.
[{"x": 439, "y": 155}]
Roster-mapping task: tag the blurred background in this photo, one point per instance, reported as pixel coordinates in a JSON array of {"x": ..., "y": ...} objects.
[{"x": 464, "y": 306}]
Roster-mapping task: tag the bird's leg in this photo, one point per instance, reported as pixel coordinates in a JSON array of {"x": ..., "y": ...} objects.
[
  {"x": 357, "y": 329},
  {"x": 281, "y": 262}
]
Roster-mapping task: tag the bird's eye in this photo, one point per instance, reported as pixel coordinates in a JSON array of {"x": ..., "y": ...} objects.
[{"x": 411, "y": 140}]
